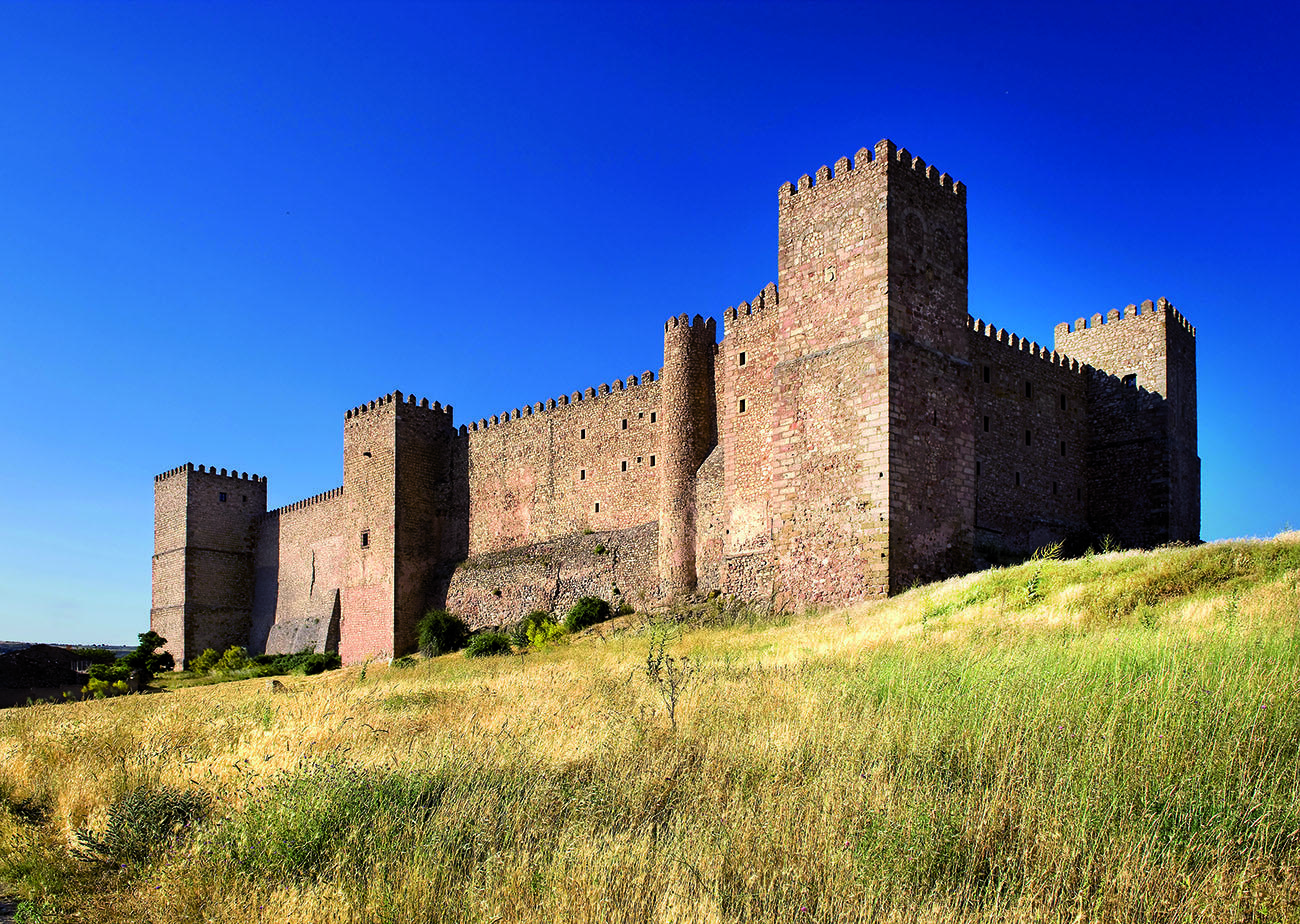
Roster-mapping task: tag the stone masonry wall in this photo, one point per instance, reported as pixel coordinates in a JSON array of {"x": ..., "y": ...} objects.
[
  {"x": 931, "y": 437},
  {"x": 540, "y": 472},
  {"x": 299, "y": 565},
  {"x": 829, "y": 482},
  {"x": 369, "y": 489},
  {"x": 1031, "y": 442},
  {"x": 499, "y": 588}
]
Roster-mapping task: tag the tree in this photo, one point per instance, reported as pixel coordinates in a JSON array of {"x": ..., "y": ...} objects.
[{"x": 147, "y": 660}]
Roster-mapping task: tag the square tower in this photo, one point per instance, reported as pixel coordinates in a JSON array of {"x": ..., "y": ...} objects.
[
  {"x": 203, "y": 558},
  {"x": 872, "y": 422}
]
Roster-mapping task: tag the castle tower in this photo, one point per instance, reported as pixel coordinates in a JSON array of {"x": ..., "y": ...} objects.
[
  {"x": 872, "y": 421},
  {"x": 690, "y": 431},
  {"x": 203, "y": 558},
  {"x": 1143, "y": 469},
  {"x": 397, "y": 479}
]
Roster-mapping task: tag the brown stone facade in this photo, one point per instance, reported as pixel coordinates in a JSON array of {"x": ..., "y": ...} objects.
[{"x": 853, "y": 432}]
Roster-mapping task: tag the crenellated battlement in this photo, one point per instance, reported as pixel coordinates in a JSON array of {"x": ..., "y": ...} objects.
[
  {"x": 396, "y": 397},
  {"x": 886, "y": 155},
  {"x": 209, "y": 470},
  {"x": 331, "y": 494},
  {"x": 1146, "y": 311},
  {"x": 684, "y": 321},
  {"x": 742, "y": 313},
  {"x": 605, "y": 389},
  {"x": 1021, "y": 344}
]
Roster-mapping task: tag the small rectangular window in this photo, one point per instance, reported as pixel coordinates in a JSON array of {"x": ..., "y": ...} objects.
[
  {"x": 624, "y": 423},
  {"x": 986, "y": 424},
  {"x": 1029, "y": 390},
  {"x": 977, "y": 468},
  {"x": 1028, "y": 438},
  {"x": 221, "y": 496},
  {"x": 244, "y": 498},
  {"x": 1062, "y": 402},
  {"x": 1017, "y": 479},
  {"x": 1062, "y": 447},
  {"x": 986, "y": 373},
  {"x": 742, "y": 357},
  {"x": 582, "y": 434},
  {"x": 1053, "y": 487},
  {"x": 742, "y": 405},
  {"x": 582, "y": 474},
  {"x": 365, "y": 538},
  {"x": 598, "y": 506},
  {"x": 1078, "y": 494},
  {"x": 638, "y": 460},
  {"x": 652, "y": 461},
  {"x": 625, "y": 465},
  {"x": 653, "y": 416}
]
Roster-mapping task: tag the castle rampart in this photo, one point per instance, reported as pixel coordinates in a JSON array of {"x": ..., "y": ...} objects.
[{"x": 854, "y": 431}]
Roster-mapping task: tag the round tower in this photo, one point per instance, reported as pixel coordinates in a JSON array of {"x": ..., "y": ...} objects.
[{"x": 689, "y": 434}]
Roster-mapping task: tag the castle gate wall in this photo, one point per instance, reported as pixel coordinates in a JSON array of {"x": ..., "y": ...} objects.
[
  {"x": 1031, "y": 442},
  {"x": 299, "y": 566}
]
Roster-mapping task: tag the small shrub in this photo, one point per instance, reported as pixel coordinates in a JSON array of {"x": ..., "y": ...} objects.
[
  {"x": 205, "y": 662},
  {"x": 519, "y": 631},
  {"x": 142, "y": 823},
  {"x": 599, "y": 549},
  {"x": 441, "y": 632},
  {"x": 404, "y": 662},
  {"x": 147, "y": 659},
  {"x": 232, "y": 661},
  {"x": 586, "y": 612},
  {"x": 544, "y": 632},
  {"x": 486, "y": 644}
]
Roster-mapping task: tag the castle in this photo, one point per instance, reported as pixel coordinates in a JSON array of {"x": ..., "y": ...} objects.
[{"x": 853, "y": 432}]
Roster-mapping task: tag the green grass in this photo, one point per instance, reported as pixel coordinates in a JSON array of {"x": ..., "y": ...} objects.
[{"x": 1120, "y": 744}]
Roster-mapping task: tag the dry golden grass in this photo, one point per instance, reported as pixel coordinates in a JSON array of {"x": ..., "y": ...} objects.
[{"x": 1117, "y": 742}]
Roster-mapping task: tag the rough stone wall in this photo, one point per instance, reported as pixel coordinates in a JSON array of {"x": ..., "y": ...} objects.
[
  {"x": 538, "y": 472},
  {"x": 1031, "y": 442},
  {"x": 299, "y": 565},
  {"x": 1144, "y": 473},
  {"x": 212, "y": 583},
  {"x": 931, "y": 442},
  {"x": 498, "y": 588}
]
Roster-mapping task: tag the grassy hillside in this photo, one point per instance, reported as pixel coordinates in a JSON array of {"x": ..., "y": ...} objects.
[{"x": 1112, "y": 738}]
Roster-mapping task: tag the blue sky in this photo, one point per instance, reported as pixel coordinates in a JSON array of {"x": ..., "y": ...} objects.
[{"x": 224, "y": 224}]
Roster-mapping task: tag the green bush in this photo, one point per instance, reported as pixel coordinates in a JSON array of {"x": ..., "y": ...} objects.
[
  {"x": 521, "y": 631},
  {"x": 234, "y": 660},
  {"x": 142, "y": 823},
  {"x": 303, "y": 662},
  {"x": 204, "y": 663},
  {"x": 441, "y": 632},
  {"x": 488, "y": 643},
  {"x": 586, "y": 612}
]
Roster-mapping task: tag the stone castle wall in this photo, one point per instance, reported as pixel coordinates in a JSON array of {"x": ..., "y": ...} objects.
[{"x": 853, "y": 432}]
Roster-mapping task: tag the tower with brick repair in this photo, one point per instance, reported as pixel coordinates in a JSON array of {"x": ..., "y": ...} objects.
[{"x": 851, "y": 433}]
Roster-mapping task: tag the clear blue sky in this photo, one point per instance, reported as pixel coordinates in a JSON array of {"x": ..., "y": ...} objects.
[{"x": 223, "y": 224}]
